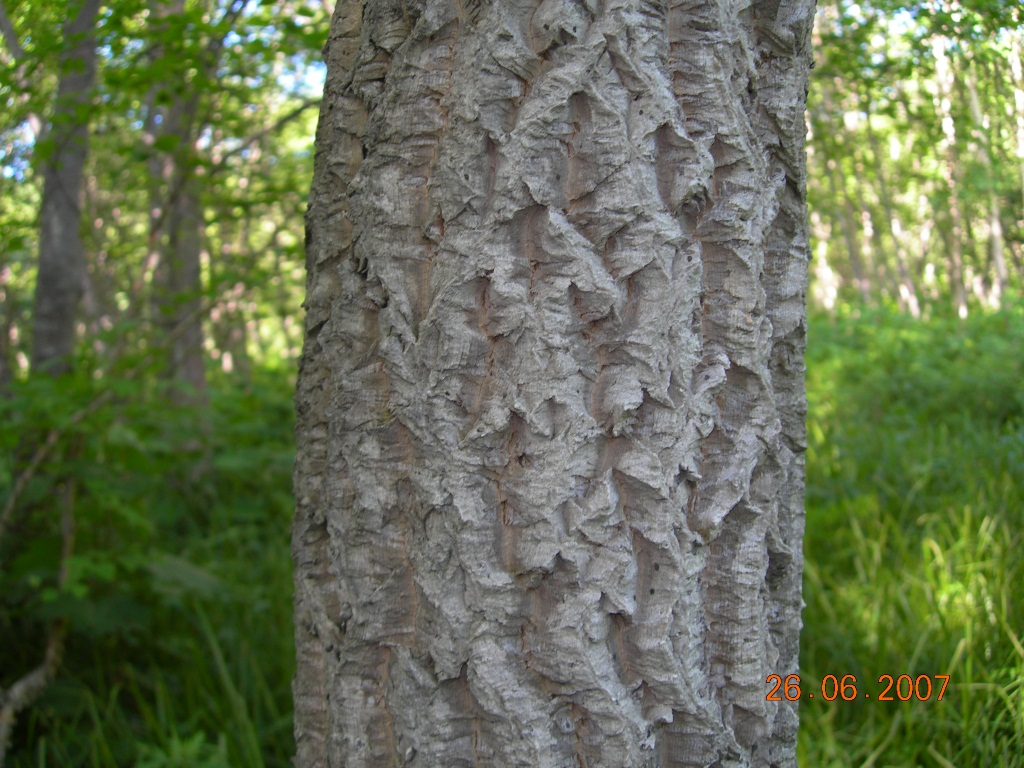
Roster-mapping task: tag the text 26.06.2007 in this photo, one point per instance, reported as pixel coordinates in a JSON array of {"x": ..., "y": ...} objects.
[{"x": 902, "y": 688}]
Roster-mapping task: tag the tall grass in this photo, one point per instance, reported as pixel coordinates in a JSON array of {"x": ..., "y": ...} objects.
[{"x": 914, "y": 547}]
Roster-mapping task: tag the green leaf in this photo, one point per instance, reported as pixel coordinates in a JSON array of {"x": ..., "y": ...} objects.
[
  {"x": 173, "y": 575},
  {"x": 167, "y": 143},
  {"x": 41, "y": 555}
]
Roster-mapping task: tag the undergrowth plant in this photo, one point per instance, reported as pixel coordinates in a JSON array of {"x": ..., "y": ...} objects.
[{"x": 175, "y": 600}]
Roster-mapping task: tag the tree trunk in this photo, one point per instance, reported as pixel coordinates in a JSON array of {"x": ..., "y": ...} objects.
[
  {"x": 907, "y": 290},
  {"x": 1017, "y": 70},
  {"x": 996, "y": 245},
  {"x": 954, "y": 234},
  {"x": 179, "y": 283},
  {"x": 550, "y": 409},
  {"x": 843, "y": 210},
  {"x": 61, "y": 253},
  {"x": 176, "y": 221}
]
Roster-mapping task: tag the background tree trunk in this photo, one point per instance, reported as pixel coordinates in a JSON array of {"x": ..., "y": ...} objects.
[
  {"x": 61, "y": 255},
  {"x": 551, "y": 407},
  {"x": 176, "y": 219}
]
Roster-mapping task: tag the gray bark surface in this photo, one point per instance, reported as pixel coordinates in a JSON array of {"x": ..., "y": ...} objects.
[
  {"x": 550, "y": 409},
  {"x": 61, "y": 272}
]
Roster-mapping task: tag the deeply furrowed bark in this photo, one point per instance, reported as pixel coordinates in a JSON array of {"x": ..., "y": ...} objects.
[{"x": 551, "y": 407}]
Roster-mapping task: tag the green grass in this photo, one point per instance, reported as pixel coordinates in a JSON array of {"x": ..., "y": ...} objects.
[
  {"x": 181, "y": 653},
  {"x": 914, "y": 547}
]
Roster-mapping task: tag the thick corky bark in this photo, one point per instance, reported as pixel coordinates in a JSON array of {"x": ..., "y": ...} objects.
[{"x": 550, "y": 409}]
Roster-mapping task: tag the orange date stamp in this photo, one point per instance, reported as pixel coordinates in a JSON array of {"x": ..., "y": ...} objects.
[{"x": 904, "y": 688}]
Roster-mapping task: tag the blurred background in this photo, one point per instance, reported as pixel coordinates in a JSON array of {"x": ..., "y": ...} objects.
[{"x": 146, "y": 440}]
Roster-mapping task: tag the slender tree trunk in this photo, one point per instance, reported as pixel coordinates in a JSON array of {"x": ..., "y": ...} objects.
[
  {"x": 847, "y": 219},
  {"x": 551, "y": 410},
  {"x": 875, "y": 251},
  {"x": 908, "y": 291},
  {"x": 8, "y": 300},
  {"x": 829, "y": 168},
  {"x": 846, "y": 216},
  {"x": 177, "y": 225},
  {"x": 61, "y": 253},
  {"x": 954, "y": 239},
  {"x": 1017, "y": 70},
  {"x": 996, "y": 248},
  {"x": 179, "y": 278}
]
